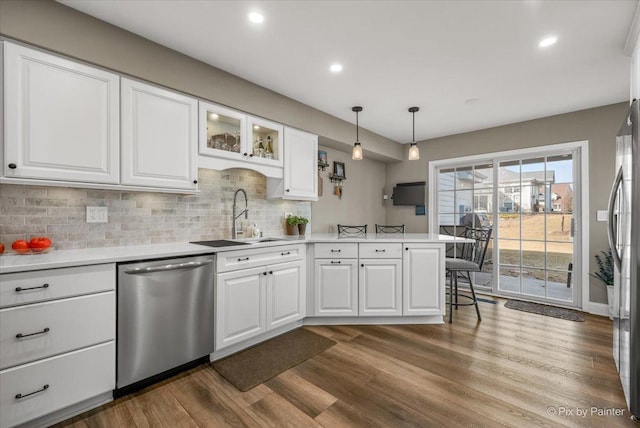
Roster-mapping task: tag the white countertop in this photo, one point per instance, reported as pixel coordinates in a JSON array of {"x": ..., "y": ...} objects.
[{"x": 11, "y": 262}]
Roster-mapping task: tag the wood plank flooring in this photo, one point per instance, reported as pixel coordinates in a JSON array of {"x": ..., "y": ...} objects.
[{"x": 512, "y": 369}]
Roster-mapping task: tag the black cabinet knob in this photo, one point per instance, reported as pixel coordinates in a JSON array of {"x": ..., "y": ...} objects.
[
  {"x": 270, "y": 272},
  {"x": 264, "y": 273},
  {"x": 13, "y": 166},
  {"x": 195, "y": 181},
  {"x": 407, "y": 248},
  {"x": 362, "y": 265},
  {"x": 251, "y": 155},
  {"x": 245, "y": 154},
  {"x": 288, "y": 190}
]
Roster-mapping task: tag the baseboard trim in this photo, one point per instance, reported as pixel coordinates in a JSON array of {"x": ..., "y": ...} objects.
[
  {"x": 598, "y": 309},
  {"x": 431, "y": 319}
]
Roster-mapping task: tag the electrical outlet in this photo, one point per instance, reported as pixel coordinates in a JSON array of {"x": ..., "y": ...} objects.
[
  {"x": 287, "y": 215},
  {"x": 97, "y": 214}
]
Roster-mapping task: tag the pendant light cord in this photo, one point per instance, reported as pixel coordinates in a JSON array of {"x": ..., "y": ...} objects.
[
  {"x": 414, "y": 126},
  {"x": 357, "y": 128}
]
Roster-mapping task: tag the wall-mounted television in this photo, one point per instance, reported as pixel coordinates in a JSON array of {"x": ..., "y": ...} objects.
[{"x": 409, "y": 193}]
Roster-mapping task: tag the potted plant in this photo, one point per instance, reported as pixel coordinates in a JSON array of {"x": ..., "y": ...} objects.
[
  {"x": 302, "y": 224},
  {"x": 605, "y": 274},
  {"x": 292, "y": 225}
]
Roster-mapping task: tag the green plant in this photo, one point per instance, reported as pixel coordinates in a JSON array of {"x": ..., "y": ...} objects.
[
  {"x": 292, "y": 220},
  {"x": 303, "y": 220},
  {"x": 605, "y": 268}
]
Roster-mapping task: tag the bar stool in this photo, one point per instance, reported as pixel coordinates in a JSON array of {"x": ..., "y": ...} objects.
[
  {"x": 353, "y": 231},
  {"x": 384, "y": 228}
]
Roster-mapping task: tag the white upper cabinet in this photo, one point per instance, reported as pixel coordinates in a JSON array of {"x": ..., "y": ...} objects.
[
  {"x": 232, "y": 139},
  {"x": 300, "y": 178},
  {"x": 159, "y": 137},
  {"x": 62, "y": 118},
  {"x": 223, "y": 132},
  {"x": 265, "y": 141}
]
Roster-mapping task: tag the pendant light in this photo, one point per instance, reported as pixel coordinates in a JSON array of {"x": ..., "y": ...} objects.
[
  {"x": 414, "y": 152},
  {"x": 357, "y": 147}
]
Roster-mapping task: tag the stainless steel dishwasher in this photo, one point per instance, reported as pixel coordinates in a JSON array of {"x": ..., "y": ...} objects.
[{"x": 165, "y": 317}]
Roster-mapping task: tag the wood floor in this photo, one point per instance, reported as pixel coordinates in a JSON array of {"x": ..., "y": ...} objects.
[{"x": 512, "y": 369}]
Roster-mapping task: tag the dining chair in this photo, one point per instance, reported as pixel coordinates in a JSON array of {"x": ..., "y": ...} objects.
[
  {"x": 384, "y": 228},
  {"x": 471, "y": 260},
  {"x": 344, "y": 230}
]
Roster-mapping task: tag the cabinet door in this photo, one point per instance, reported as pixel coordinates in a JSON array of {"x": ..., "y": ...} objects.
[
  {"x": 222, "y": 132},
  {"x": 380, "y": 287},
  {"x": 62, "y": 118},
  {"x": 300, "y": 165},
  {"x": 423, "y": 279},
  {"x": 159, "y": 137},
  {"x": 240, "y": 306},
  {"x": 336, "y": 287},
  {"x": 285, "y": 293},
  {"x": 264, "y": 144}
]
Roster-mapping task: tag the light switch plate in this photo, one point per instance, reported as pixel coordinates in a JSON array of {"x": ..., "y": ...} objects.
[
  {"x": 97, "y": 214},
  {"x": 602, "y": 215}
]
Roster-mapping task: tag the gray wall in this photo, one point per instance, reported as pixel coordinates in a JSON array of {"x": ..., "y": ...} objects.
[
  {"x": 598, "y": 125},
  {"x": 361, "y": 201},
  {"x": 58, "y": 28}
]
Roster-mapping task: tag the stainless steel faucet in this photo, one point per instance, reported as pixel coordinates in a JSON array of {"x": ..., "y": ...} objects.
[{"x": 234, "y": 229}]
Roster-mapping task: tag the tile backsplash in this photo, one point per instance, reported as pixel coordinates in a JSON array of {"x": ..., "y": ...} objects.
[{"x": 142, "y": 218}]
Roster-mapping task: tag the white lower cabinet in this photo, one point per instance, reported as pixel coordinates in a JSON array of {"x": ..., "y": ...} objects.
[
  {"x": 33, "y": 390},
  {"x": 378, "y": 279},
  {"x": 286, "y": 299},
  {"x": 240, "y": 306},
  {"x": 252, "y": 301},
  {"x": 336, "y": 287},
  {"x": 57, "y": 348},
  {"x": 380, "y": 287},
  {"x": 423, "y": 279}
]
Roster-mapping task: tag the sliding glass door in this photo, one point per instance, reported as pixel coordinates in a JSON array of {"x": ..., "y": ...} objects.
[{"x": 531, "y": 203}]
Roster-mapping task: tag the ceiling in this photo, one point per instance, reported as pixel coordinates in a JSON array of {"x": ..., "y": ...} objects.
[{"x": 468, "y": 65}]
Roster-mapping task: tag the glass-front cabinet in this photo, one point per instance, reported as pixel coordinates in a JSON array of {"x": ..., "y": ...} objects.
[
  {"x": 265, "y": 138},
  {"x": 224, "y": 134},
  {"x": 232, "y": 134}
]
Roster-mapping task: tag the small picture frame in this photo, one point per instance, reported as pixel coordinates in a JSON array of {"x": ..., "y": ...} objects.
[
  {"x": 339, "y": 169},
  {"x": 322, "y": 157}
]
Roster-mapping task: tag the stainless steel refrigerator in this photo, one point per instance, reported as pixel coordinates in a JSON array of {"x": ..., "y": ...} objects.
[{"x": 624, "y": 239}]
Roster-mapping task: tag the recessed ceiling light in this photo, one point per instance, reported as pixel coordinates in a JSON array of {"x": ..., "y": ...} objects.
[
  {"x": 213, "y": 116},
  {"x": 548, "y": 41},
  {"x": 256, "y": 18},
  {"x": 335, "y": 68},
  {"x": 256, "y": 127}
]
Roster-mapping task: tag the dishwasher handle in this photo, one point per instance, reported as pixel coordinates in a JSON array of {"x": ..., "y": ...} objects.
[{"x": 169, "y": 267}]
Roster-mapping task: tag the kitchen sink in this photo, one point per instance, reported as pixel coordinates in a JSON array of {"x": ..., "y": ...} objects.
[{"x": 220, "y": 243}]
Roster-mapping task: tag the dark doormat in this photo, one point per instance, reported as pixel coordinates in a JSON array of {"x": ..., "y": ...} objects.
[
  {"x": 550, "y": 311},
  {"x": 253, "y": 366}
]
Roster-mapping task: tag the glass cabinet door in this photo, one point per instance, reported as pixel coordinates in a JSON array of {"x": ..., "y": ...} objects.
[
  {"x": 224, "y": 134},
  {"x": 265, "y": 141}
]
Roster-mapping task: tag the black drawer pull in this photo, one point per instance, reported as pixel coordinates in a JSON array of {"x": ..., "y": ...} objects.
[
  {"x": 270, "y": 272},
  {"x": 44, "y": 388},
  {"x": 336, "y": 251},
  {"x": 13, "y": 166},
  {"x": 19, "y": 289},
  {"x": 286, "y": 253},
  {"x": 337, "y": 263},
  {"x": 381, "y": 251},
  {"x": 243, "y": 260},
  {"x": 20, "y": 335}
]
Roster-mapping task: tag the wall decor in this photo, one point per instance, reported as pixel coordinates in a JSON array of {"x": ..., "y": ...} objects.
[
  {"x": 339, "y": 170},
  {"x": 322, "y": 157}
]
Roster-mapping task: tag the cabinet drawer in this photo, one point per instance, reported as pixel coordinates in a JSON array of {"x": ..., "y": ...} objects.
[
  {"x": 381, "y": 251},
  {"x": 69, "y": 323},
  {"x": 336, "y": 251},
  {"x": 71, "y": 378},
  {"x": 234, "y": 260},
  {"x": 37, "y": 286}
]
